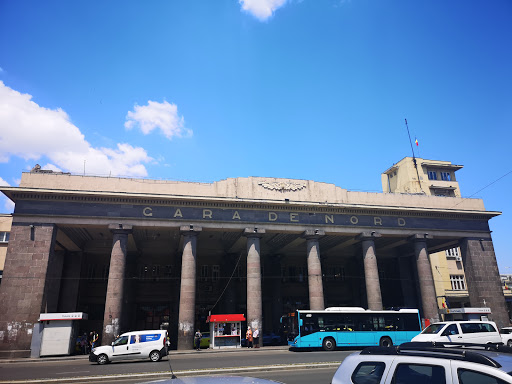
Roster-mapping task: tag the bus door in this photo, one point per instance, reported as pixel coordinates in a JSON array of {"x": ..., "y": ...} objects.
[{"x": 345, "y": 328}]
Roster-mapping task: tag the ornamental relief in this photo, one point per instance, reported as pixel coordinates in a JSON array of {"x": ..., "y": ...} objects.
[{"x": 282, "y": 186}]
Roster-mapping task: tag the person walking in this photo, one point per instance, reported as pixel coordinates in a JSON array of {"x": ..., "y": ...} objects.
[
  {"x": 248, "y": 336},
  {"x": 197, "y": 340},
  {"x": 256, "y": 337}
]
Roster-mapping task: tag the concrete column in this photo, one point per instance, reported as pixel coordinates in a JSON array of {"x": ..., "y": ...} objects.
[
  {"x": 115, "y": 287},
  {"x": 187, "y": 309},
  {"x": 483, "y": 278},
  {"x": 425, "y": 278},
  {"x": 254, "y": 300},
  {"x": 371, "y": 270},
  {"x": 316, "y": 288}
]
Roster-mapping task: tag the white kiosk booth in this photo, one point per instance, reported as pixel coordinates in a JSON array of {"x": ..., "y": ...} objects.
[
  {"x": 225, "y": 330},
  {"x": 57, "y": 333}
]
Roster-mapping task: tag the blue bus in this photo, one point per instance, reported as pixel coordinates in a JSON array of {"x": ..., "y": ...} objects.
[{"x": 353, "y": 327}]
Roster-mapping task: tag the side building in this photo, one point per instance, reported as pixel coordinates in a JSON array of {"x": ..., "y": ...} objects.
[
  {"x": 146, "y": 254},
  {"x": 437, "y": 178}
]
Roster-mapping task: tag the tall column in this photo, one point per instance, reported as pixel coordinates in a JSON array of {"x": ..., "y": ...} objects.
[
  {"x": 371, "y": 270},
  {"x": 425, "y": 278},
  {"x": 316, "y": 288},
  {"x": 187, "y": 309},
  {"x": 24, "y": 290},
  {"x": 483, "y": 278},
  {"x": 254, "y": 300},
  {"x": 115, "y": 287}
]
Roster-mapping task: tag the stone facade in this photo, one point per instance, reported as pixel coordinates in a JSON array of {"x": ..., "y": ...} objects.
[{"x": 150, "y": 254}]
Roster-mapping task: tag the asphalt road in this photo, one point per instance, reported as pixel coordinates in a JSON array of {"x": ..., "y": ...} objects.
[
  {"x": 241, "y": 362},
  {"x": 306, "y": 376}
]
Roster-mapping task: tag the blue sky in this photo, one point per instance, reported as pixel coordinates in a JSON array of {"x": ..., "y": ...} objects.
[{"x": 202, "y": 90}]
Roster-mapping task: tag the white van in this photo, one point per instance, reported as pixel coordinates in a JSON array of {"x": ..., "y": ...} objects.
[
  {"x": 132, "y": 345},
  {"x": 477, "y": 332}
]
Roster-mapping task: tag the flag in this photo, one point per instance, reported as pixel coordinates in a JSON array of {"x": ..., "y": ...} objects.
[{"x": 416, "y": 141}]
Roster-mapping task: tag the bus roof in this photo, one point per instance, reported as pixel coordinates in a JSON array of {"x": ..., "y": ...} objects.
[{"x": 358, "y": 310}]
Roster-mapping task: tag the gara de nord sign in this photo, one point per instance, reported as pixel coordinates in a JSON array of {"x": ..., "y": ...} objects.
[{"x": 211, "y": 214}]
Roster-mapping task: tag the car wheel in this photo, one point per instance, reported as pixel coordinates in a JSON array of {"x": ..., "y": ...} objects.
[
  {"x": 154, "y": 356},
  {"x": 328, "y": 344},
  {"x": 102, "y": 359},
  {"x": 386, "y": 342},
  {"x": 509, "y": 343}
]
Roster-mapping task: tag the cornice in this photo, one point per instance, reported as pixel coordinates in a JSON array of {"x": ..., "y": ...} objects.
[{"x": 248, "y": 204}]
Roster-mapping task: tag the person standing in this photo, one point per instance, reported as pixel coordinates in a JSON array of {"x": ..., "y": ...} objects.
[
  {"x": 256, "y": 337},
  {"x": 197, "y": 340},
  {"x": 248, "y": 336}
]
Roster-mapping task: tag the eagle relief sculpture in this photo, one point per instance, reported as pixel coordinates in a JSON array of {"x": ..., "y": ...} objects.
[{"x": 282, "y": 186}]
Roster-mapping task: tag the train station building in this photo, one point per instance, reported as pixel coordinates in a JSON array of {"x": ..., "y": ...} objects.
[{"x": 152, "y": 254}]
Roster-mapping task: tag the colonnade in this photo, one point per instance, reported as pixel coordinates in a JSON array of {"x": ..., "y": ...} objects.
[{"x": 114, "y": 296}]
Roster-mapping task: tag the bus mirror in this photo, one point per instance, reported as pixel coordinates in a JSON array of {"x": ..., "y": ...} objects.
[{"x": 300, "y": 323}]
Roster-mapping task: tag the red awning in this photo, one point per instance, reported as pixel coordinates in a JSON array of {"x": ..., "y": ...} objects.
[{"x": 225, "y": 318}]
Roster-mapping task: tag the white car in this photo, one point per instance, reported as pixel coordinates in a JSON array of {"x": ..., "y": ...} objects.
[
  {"x": 506, "y": 336},
  {"x": 132, "y": 345},
  {"x": 471, "y": 331},
  {"x": 422, "y": 363}
]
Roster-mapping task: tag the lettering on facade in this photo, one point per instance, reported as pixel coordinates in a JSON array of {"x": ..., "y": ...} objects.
[{"x": 290, "y": 217}]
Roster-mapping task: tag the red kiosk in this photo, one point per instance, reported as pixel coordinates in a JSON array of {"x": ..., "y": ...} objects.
[{"x": 225, "y": 330}]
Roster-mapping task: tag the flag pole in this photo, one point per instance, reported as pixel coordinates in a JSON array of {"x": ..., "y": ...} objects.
[{"x": 413, "y": 157}]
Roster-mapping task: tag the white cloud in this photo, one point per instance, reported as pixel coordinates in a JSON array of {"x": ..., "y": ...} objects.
[
  {"x": 32, "y": 132},
  {"x": 261, "y": 9},
  {"x": 163, "y": 116},
  {"x": 3, "y": 183}
]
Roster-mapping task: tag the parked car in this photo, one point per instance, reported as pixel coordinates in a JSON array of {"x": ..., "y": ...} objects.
[
  {"x": 506, "y": 336},
  {"x": 479, "y": 332},
  {"x": 272, "y": 339},
  {"x": 132, "y": 345},
  {"x": 427, "y": 363}
]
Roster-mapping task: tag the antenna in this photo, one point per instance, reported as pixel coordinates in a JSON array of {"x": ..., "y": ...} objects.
[{"x": 413, "y": 157}]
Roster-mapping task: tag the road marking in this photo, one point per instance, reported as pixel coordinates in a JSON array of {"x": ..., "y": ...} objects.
[{"x": 67, "y": 373}]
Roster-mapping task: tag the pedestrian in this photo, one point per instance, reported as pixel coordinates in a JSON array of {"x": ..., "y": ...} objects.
[
  {"x": 94, "y": 339},
  {"x": 256, "y": 337},
  {"x": 197, "y": 340},
  {"x": 83, "y": 344},
  {"x": 248, "y": 336}
]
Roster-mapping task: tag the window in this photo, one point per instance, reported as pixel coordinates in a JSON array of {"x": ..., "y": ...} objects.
[
  {"x": 368, "y": 372},
  {"x": 215, "y": 272},
  {"x": 418, "y": 373},
  {"x": 283, "y": 274},
  {"x": 123, "y": 340},
  {"x": 155, "y": 271},
  {"x": 4, "y": 237},
  {"x": 432, "y": 175},
  {"x": 144, "y": 270},
  {"x": 472, "y": 377},
  {"x": 168, "y": 271},
  {"x": 446, "y": 176},
  {"x": 453, "y": 252},
  {"x": 458, "y": 283},
  {"x": 205, "y": 272}
]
